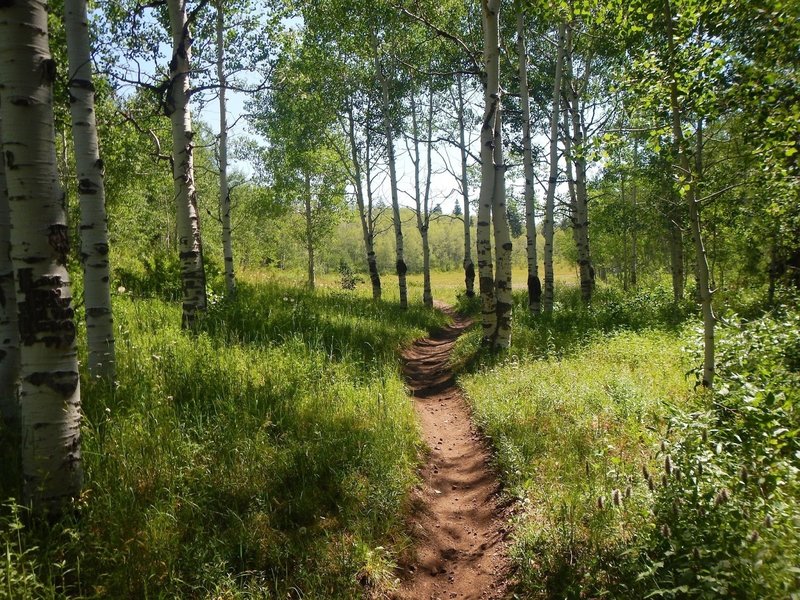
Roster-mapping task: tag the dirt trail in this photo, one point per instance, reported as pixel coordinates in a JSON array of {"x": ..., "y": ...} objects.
[{"x": 458, "y": 521}]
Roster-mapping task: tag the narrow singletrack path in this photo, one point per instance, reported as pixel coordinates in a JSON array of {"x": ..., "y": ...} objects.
[{"x": 458, "y": 522}]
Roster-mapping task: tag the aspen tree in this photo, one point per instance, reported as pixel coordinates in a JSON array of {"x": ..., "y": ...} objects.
[
  {"x": 307, "y": 211},
  {"x": 491, "y": 59},
  {"x": 552, "y": 181},
  {"x": 422, "y": 199},
  {"x": 91, "y": 194},
  {"x": 224, "y": 190},
  {"x": 534, "y": 284},
  {"x": 9, "y": 333},
  {"x": 400, "y": 264},
  {"x": 577, "y": 156},
  {"x": 469, "y": 266},
  {"x": 190, "y": 245},
  {"x": 364, "y": 205},
  {"x": 502, "y": 242},
  {"x": 688, "y": 185},
  {"x": 49, "y": 383}
]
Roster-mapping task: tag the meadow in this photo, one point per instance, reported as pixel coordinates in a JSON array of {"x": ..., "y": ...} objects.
[
  {"x": 270, "y": 453},
  {"x": 630, "y": 480}
]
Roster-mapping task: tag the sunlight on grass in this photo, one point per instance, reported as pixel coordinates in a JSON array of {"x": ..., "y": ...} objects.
[
  {"x": 271, "y": 450},
  {"x": 568, "y": 431}
]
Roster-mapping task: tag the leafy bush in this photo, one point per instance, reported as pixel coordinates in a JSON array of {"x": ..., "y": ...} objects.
[
  {"x": 634, "y": 484},
  {"x": 727, "y": 517},
  {"x": 347, "y": 277}
]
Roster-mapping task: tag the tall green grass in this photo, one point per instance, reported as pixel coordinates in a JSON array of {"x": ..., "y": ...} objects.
[
  {"x": 268, "y": 454},
  {"x": 633, "y": 482}
]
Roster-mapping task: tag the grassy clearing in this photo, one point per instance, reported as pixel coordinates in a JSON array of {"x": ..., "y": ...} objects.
[
  {"x": 268, "y": 455},
  {"x": 633, "y": 484},
  {"x": 567, "y": 432},
  {"x": 447, "y": 285}
]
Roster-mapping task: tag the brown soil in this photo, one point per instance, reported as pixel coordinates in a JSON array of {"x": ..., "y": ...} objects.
[{"x": 458, "y": 521}]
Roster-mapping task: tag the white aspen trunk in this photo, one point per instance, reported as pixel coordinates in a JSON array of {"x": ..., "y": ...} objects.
[
  {"x": 580, "y": 222},
  {"x": 689, "y": 183},
  {"x": 224, "y": 191},
  {"x": 420, "y": 201},
  {"x": 534, "y": 284},
  {"x": 400, "y": 264},
  {"x": 190, "y": 245},
  {"x": 364, "y": 214},
  {"x": 552, "y": 181},
  {"x": 312, "y": 276},
  {"x": 634, "y": 224},
  {"x": 91, "y": 195},
  {"x": 49, "y": 383},
  {"x": 570, "y": 173},
  {"x": 469, "y": 266},
  {"x": 502, "y": 242},
  {"x": 9, "y": 333},
  {"x": 427, "y": 292},
  {"x": 491, "y": 59}
]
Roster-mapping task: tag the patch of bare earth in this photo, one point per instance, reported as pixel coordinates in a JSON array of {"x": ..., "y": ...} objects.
[{"x": 458, "y": 521}]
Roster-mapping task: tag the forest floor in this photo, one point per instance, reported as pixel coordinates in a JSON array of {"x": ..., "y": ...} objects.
[{"x": 458, "y": 520}]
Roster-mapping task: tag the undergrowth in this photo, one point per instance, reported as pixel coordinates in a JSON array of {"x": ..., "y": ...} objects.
[
  {"x": 266, "y": 455},
  {"x": 633, "y": 482}
]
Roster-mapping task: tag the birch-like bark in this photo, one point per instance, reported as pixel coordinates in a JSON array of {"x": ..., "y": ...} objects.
[
  {"x": 634, "y": 223},
  {"x": 312, "y": 276},
  {"x": 224, "y": 191},
  {"x": 491, "y": 59},
  {"x": 364, "y": 211},
  {"x": 534, "y": 284},
  {"x": 502, "y": 241},
  {"x": 422, "y": 200},
  {"x": 688, "y": 184},
  {"x": 469, "y": 266},
  {"x": 190, "y": 245},
  {"x": 400, "y": 263},
  {"x": 580, "y": 217},
  {"x": 427, "y": 292},
  {"x": 49, "y": 383},
  {"x": 9, "y": 333},
  {"x": 91, "y": 195},
  {"x": 549, "y": 204}
]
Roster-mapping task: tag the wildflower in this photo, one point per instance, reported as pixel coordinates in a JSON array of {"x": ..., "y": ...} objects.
[
  {"x": 668, "y": 465},
  {"x": 601, "y": 502},
  {"x": 753, "y": 537},
  {"x": 718, "y": 448},
  {"x": 665, "y": 531},
  {"x": 645, "y": 472},
  {"x": 628, "y": 492},
  {"x": 121, "y": 289},
  {"x": 722, "y": 497},
  {"x": 651, "y": 485},
  {"x": 664, "y": 480},
  {"x": 663, "y": 445},
  {"x": 615, "y": 497},
  {"x": 768, "y": 521},
  {"x": 677, "y": 473}
]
